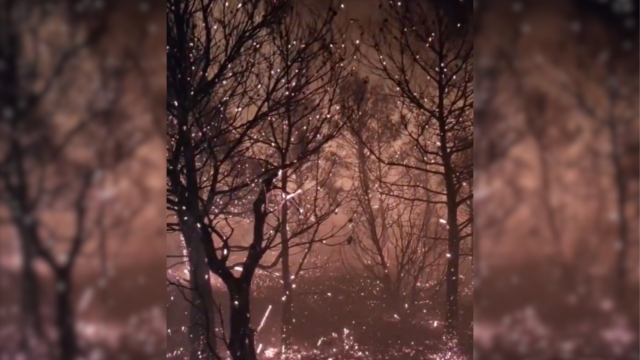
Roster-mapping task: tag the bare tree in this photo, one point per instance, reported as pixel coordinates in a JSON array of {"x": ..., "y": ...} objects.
[
  {"x": 60, "y": 99},
  {"x": 499, "y": 136},
  {"x": 587, "y": 79},
  {"x": 210, "y": 49},
  {"x": 226, "y": 83},
  {"x": 195, "y": 288},
  {"x": 307, "y": 210},
  {"x": 601, "y": 90},
  {"x": 395, "y": 241},
  {"x": 558, "y": 93},
  {"x": 428, "y": 58},
  {"x": 307, "y": 47}
]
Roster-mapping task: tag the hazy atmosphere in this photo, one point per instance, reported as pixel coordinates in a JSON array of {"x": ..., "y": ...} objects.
[
  {"x": 556, "y": 169},
  {"x": 319, "y": 180}
]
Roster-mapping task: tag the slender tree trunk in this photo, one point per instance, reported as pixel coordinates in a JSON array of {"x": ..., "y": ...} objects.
[
  {"x": 287, "y": 311},
  {"x": 550, "y": 212},
  {"x": 32, "y": 321},
  {"x": 287, "y": 304},
  {"x": 241, "y": 338},
  {"x": 10, "y": 45},
  {"x": 453, "y": 243},
  {"x": 453, "y": 262},
  {"x": 453, "y": 254},
  {"x": 202, "y": 335},
  {"x": 622, "y": 245},
  {"x": 65, "y": 321},
  {"x": 377, "y": 238}
]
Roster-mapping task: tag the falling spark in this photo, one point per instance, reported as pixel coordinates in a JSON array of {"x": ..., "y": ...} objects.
[
  {"x": 264, "y": 318},
  {"x": 85, "y": 299}
]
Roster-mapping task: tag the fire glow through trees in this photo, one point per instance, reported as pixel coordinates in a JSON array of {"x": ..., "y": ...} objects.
[{"x": 318, "y": 181}]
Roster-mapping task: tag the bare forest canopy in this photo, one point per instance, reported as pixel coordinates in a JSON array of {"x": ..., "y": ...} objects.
[
  {"x": 556, "y": 175},
  {"x": 80, "y": 88},
  {"x": 307, "y": 145}
]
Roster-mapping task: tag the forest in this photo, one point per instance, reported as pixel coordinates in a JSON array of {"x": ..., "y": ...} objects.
[
  {"x": 297, "y": 179},
  {"x": 319, "y": 181}
]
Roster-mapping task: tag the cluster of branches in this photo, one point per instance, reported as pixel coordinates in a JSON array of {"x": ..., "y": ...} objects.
[
  {"x": 58, "y": 187},
  {"x": 251, "y": 93},
  {"x": 426, "y": 59},
  {"x": 395, "y": 240},
  {"x": 568, "y": 104},
  {"x": 584, "y": 102},
  {"x": 259, "y": 108}
]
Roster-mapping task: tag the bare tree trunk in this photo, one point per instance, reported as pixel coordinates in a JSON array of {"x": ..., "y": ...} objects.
[
  {"x": 453, "y": 258},
  {"x": 453, "y": 243},
  {"x": 453, "y": 262},
  {"x": 65, "y": 321},
  {"x": 376, "y": 238},
  {"x": 287, "y": 308},
  {"x": 202, "y": 335},
  {"x": 32, "y": 321},
  {"x": 287, "y": 304},
  {"x": 10, "y": 94},
  {"x": 241, "y": 338},
  {"x": 622, "y": 246}
]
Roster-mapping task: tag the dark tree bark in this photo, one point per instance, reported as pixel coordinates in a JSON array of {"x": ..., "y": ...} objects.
[
  {"x": 32, "y": 320},
  {"x": 202, "y": 320},
  {"x": 622, "y": 247},
  {"x": 10, "y": 95},
  {"x": 453, "y": 239},
  {"x": 241, "y": 337},
  {"x": 40, "y": 174},
  {"x": 428, "y": 56},
  {"x": 217, "y": 158},
  {"x": 287, "y": 286},
  {"x": 65, "y": 318}
]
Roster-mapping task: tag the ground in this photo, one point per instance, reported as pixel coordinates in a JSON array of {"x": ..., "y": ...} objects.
[{"x": 340, "y": 317}]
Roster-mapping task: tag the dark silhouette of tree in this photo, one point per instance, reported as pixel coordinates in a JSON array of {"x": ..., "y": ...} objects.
[
  {"x": 428, "y": 61},
  {"x": 237, "y": 71},
  {"x": 397, "y": 242},
  {"x": 601, "y": 90},
  {"x": 307, "y": 46},
  {"x": 564, "y": 84},
  {"x": 65, "y": 136},
  {"x": 212, "y": 50}
]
